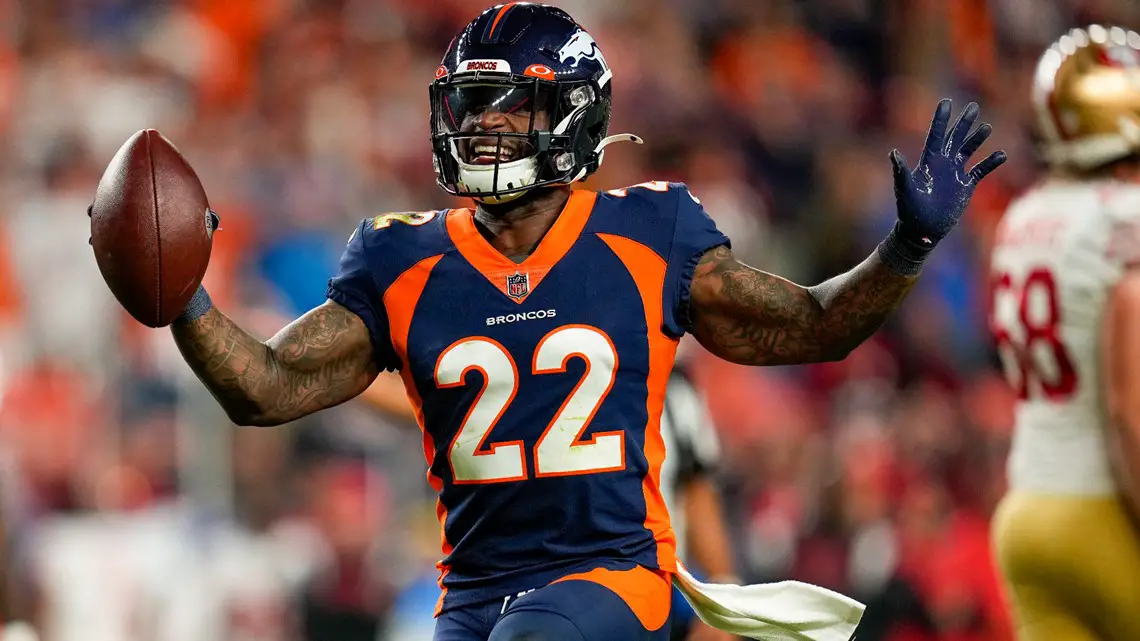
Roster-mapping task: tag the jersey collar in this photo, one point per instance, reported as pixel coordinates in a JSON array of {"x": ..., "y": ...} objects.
[{"x": 517, "y": 280}]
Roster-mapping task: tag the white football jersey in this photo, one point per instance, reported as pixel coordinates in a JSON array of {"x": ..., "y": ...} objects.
[{"x": 1059, "y": 251}]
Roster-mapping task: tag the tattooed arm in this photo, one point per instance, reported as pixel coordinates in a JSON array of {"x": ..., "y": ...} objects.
[
  {"x": 319, "y": 360},
  {"x": 750, "y": 317}
]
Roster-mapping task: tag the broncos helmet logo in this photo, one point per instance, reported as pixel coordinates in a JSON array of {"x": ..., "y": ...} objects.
[{"x": 580, "y": 46}]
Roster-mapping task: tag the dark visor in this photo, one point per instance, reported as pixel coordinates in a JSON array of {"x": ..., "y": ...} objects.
[{"x": 461, "y": 106}]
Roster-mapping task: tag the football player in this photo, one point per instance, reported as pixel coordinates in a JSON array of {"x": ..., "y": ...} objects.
[
  {"x": 1066, "y": 319},
  {"x": 535, "y": 334}
]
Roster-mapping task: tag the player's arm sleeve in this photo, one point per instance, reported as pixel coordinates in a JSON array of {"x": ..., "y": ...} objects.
[
  {"x": 694, "y": 233},
  {"x": 355, "y": 288}
]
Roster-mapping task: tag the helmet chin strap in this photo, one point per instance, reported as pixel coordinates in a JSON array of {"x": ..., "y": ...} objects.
[
  {"x": 495, "y": 200},
  {"x": 498, "y": 200},
  {"x": 483, "y": 177}
]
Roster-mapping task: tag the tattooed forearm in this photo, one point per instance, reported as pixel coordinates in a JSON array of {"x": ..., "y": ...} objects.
[
  {"x": 748, "y": 316},
  {"x": 322, "y": 359}
]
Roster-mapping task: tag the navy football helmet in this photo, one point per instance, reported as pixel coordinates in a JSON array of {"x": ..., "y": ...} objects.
[{"x": 533, "y": 61}]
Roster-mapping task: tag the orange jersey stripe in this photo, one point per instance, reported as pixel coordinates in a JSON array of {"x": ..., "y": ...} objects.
[
  {"x": 496, "y": 267},
  {"x": 647, "y": 592},
  {"x": 400, "y": 302},
  {"x": 443, "y": 570},
  {"x": 648, "y": 272}
]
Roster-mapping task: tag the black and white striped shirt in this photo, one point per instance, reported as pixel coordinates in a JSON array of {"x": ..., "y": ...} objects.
[{"x": 691, "y": 446}]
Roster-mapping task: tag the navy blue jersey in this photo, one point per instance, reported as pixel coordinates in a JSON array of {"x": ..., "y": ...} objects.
[{"x": 538, "y": 385}]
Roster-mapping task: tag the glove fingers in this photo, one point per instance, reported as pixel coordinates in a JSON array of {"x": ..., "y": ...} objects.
[
  {"x": 899, "y": 168},
  {"x": 992, "y": 162},
  {"x": 974, "y": 141},
  {"x": 961, "y": 127},
  {"x": 937, "y": 134}
]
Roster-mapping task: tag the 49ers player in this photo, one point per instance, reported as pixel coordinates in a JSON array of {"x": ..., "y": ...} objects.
[{"x": 1066, "y": 318}]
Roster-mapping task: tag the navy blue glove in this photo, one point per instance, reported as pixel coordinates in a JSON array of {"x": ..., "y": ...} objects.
[{"x": 932, "y": 197}]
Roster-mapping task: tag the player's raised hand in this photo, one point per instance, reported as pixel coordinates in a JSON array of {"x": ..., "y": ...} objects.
[{"x": 932, "y": 196}]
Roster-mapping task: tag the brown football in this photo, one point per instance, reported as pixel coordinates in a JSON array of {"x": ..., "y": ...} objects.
[{"x": 151, "y": 228}]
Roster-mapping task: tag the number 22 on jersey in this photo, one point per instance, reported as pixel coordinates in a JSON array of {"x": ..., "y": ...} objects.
[
  {"x": 1026, "y": 326},
  {"x": 559, "y": 451}
]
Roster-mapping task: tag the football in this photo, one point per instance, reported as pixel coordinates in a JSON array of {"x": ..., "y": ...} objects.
[{"x": 151, "y": 228}]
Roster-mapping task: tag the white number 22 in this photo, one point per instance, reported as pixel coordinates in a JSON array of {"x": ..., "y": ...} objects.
[{"x": 558, "y": 451}]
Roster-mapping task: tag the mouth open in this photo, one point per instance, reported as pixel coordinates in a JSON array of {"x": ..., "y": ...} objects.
[{"x": 487, "y": 152}]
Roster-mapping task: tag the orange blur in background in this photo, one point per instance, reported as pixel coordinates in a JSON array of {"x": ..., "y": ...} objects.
[{"x": 132, "y": 509}]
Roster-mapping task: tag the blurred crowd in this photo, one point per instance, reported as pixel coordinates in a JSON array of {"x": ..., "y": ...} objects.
[{"x": 130, "y": 508}]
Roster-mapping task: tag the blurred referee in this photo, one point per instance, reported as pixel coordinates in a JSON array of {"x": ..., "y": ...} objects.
[{"x": 687, "y": 483}]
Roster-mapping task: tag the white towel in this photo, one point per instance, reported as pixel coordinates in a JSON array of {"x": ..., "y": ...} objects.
[
  {"x": 784, "y": 611},
  {"x": 18, "y": 631}
]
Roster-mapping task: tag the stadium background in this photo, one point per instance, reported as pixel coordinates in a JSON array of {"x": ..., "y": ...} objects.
[{"x": 141, "y": 513}]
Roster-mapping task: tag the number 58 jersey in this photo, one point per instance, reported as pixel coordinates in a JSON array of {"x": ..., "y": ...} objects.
[
  {"x": 538, "y": 385},
  {"x": 1059, "y": 251}
]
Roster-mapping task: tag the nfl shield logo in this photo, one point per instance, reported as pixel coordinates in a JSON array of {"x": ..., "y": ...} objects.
[{"x": 518, "y": 285}]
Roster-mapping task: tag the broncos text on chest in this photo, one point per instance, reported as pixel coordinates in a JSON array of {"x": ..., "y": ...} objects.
[{"x": 523, "y": 316}]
